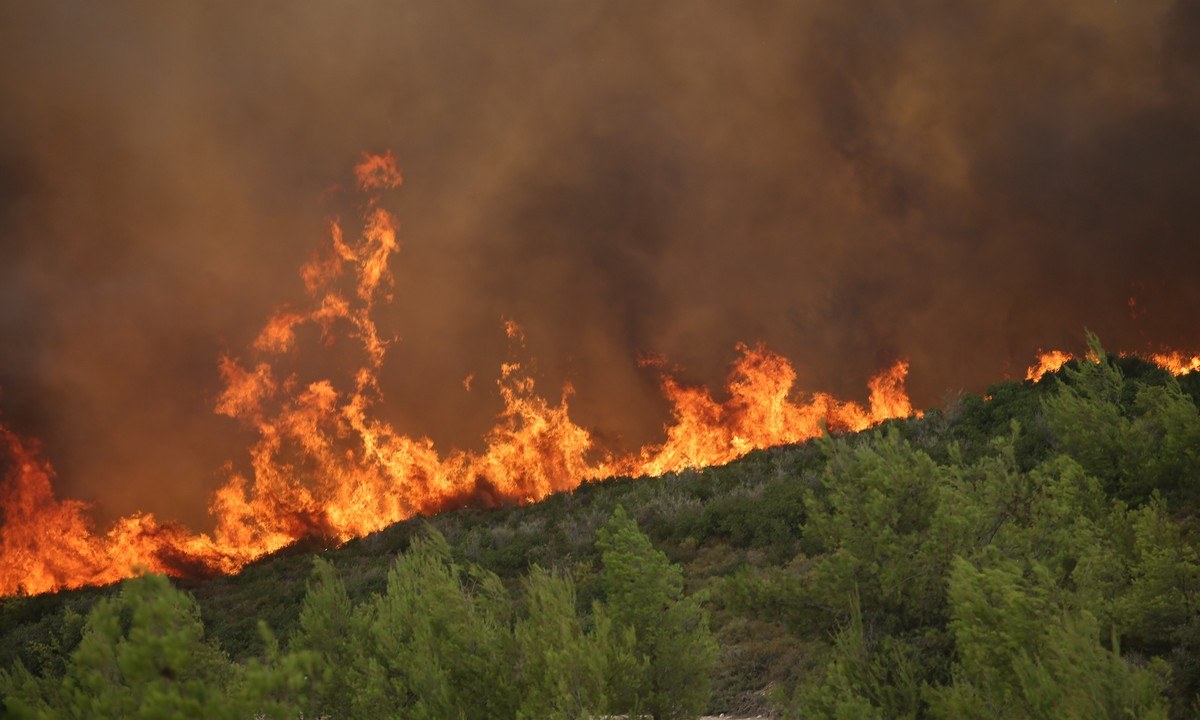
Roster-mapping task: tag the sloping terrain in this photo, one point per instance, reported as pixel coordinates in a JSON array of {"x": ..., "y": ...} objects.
[{"x": 1017, "y": 550}]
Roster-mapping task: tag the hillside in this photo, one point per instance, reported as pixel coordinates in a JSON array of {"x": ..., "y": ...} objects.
[{"x": 1032, "y": 552}]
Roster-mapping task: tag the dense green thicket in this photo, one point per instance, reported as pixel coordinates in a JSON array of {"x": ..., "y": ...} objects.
[
  {"x": 1029, "y": 553},
  {"x": 442, "y": 640}
]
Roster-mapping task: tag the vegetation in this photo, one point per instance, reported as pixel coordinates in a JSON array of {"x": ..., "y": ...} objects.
[
  {"x": 1029, "y": 553},
  {"x": 440, "y": 641}
]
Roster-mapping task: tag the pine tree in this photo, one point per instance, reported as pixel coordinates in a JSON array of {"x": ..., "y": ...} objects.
[
  {"x": 438, "y": 642},
  {"x": 334, "y": 635},
  {"x": 563, "y": 669},
  {"x": 142, "y": 655},
  {"x": 1022, "y": 655},
  {"x": 644, "y": 592},
  {"x": 871, "y": 523}
]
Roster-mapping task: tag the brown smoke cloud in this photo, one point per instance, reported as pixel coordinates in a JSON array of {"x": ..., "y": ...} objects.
[{"x": 955, "y": 183}]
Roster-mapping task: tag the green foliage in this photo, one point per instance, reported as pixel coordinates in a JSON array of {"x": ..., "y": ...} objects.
[
  {"x": 1003, "y": 580},
  {"x": 972, "y": 422},
  {"x": 143, "y": 655},
  {"x": 644, "y": 592},
  {"x": 862, "y": 677},
  {"x": 1135, "y": 437},
  {"x": 1031, "y": 553},
  {"x": 1022, "y": 655},
  {"x": 436, "y": 643},
  {"x": 869, "y": 529},
  {"x": 40, "y": 633},
  {"x": 764, "y": 516},
  {"x": 441, "y": 640},
  {"x": 332, "y": 633},
  {"x": 563, "y": 668},
  {"x": 1164, "y": 577},
  {"x": 274, "y": 687}
]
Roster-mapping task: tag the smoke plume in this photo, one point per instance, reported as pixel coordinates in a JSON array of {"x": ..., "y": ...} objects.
[{"x": 957, "y": 184}]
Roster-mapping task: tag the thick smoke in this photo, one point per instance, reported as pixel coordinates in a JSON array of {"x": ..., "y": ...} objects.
[{"x": 954, "y": 183}]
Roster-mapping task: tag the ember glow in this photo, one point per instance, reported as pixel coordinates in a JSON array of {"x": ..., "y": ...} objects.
[{"x": 323, "y": 464}]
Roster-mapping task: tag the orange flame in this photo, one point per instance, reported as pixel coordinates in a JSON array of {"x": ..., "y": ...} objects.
[
  {"x": 324, "y": 465},
  {"x": 1047, "y": 362},
  {"x": 47, "y": 544},
  {"x": 1176, "y": 362},
  {"x": 377, "y": 172},
  {"x": 760, "y": 413},
  {"x": 1173, "y": 361}
]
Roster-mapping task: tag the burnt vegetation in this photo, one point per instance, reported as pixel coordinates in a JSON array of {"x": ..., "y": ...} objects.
[{"x": 1031, "y": 552}]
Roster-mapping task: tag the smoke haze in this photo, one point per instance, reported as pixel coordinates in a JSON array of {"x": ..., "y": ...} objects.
[{"x": 953, "y": 183}]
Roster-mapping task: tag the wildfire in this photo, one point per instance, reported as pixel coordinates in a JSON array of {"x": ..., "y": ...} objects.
[
  {"x": 324, "y": 464},
  {"x": 1174, "y": 362},
  {"x": 760, "y": 413},
  {"x": 1047, "y": 362},
  {"x": 47, "y": 543}
]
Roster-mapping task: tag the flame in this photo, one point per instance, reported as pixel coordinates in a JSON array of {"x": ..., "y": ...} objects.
[
  {"x": 759, "y": 413},
  {"x": 323, "y": 464},
  {"x": 1047, "y": 362},
  {"x": 1172, "y": 361},
  {"x": 48, "y": 543},
  {"x": 377, "y": 172},
  {"x": 1176, "y": 362}
]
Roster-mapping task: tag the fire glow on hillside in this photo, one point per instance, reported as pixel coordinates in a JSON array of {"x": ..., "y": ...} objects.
[
  {"x": 324, "y": 465},
  {"x": 1172, "y": 361}
]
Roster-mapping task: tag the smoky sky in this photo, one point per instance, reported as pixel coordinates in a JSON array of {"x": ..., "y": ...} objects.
[{"x": 957, "y": 184}]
